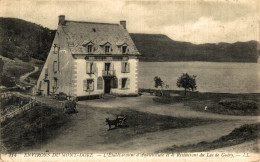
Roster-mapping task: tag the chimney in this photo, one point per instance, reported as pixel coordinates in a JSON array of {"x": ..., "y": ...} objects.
[
  {"x": 62, "y": 20},
  {"x": 123, "y": 23}
]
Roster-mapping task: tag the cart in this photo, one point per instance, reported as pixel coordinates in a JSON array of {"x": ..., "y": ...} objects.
[{"x": 121, "y": 119}]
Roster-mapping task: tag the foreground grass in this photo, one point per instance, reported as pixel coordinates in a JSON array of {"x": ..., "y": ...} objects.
[
  {"x": 222, "y": 103},
  {"x": 239, "y": 135},
  {"x": 32, "y": 128}
]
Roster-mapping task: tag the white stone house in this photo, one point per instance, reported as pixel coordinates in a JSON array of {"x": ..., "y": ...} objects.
[{"x": 90, "y": 59}]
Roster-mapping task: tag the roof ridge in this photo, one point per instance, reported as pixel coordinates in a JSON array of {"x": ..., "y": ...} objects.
[{"x": 91, "y": 22}]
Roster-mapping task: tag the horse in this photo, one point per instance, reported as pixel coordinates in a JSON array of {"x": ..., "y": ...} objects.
[{"x": 112, "y": 122}]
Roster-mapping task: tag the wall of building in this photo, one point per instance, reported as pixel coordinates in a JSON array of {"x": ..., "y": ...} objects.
[
  {"x": 65, "y": 74},
  {"x": 133, "y": 76},
  {"x": 81, "y": 75}
]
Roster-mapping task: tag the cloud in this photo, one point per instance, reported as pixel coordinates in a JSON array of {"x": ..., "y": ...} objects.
[
  {"x": 208, "y": 30},
  {"x": 180, "y": 12},
  {"x": 197, "y": 21}
]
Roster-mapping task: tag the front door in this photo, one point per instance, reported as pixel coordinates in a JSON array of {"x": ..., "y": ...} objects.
[{"x": 107, "y": 85}]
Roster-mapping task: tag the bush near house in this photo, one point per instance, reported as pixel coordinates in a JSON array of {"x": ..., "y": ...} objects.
[{"x": 32, "y": 128}]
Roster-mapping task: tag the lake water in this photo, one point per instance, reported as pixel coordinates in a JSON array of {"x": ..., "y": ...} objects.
[{"x": 211, "y": 76}]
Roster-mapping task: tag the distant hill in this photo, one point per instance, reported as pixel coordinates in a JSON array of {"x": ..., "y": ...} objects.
[
  {"x": 26, "y": 40},
  {"x": 157, "y": 47}
]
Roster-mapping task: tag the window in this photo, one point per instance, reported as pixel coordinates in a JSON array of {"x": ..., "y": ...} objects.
[
  {"x": 125, "y": 67},
  {"x": 107, "y": 66},
  {"x": 56, "y": 49},
  {"x": 124, "y": 49},
  {"x": 124, "y": 82},
  {"x": 46, "y": 73},
  {"x": 40, "y": 85},
  {"x": 55, "y": 82},
  {"x": 107, "y": 49},
  {"x": 90, "y": 68},
  {"x": 90, "y": 48},
  {"x": 55, "y": 67},
  {"x": 90, "y": 85}
]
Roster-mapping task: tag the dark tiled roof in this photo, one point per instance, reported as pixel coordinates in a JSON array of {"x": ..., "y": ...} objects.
[{"x": 81, "y": 33}]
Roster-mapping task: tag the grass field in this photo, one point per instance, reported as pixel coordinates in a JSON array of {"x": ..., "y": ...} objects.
[{"x": 222, "y": 103}]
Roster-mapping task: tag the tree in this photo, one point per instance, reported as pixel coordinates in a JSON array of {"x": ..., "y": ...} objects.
[
  {"x": 159, "y": 83},
  {"x": 187, "y": 82}
]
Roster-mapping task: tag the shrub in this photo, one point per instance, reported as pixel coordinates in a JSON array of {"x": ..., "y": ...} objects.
[
  {"x": 6, "y": 81},
  {"x": 239, "y": 105}
]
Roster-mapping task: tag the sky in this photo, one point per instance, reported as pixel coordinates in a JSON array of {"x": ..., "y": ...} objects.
[{"x": 196, "y": 21}]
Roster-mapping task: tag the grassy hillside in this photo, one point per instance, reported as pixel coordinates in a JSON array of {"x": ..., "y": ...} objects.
[
  {"x": 24, "y": 40},
  {"x": 156, "y": 47},
  {"x": 32, "y": 128},
  {"x": 11, "y": 70}
]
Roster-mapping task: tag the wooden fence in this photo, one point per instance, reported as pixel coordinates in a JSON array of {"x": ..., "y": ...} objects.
[
  {"x": 6, "y": 95},
  {"x": 26, "y": 107}
]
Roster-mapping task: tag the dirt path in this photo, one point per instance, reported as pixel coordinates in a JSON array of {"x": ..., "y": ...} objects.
[
  {"x": 24, "y": 76},
  {"x": 146, "y": 104},
  {"x": 88, "y": 132}
]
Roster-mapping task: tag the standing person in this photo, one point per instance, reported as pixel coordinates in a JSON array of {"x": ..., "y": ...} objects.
[
  {"x": 66, "y": 104},
  {"x": 74, "y": 103}
]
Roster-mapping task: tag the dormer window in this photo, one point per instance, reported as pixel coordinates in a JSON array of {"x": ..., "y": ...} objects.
[
  {"x": 107, "y": 49},
  {"x": 90, "y": 48},
  {"x": 124, "y": 49}
]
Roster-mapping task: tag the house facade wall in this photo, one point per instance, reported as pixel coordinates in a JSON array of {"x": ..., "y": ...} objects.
[
  {"x": 81, "y": 75},
  {"x": 65, "y": 68}
]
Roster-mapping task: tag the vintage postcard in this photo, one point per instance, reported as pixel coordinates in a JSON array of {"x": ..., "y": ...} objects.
[{"x": 119, "y": 80}]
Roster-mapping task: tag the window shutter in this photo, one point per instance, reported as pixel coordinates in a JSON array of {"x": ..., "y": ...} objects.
[
  {"x": 84, "y": 85},
  {"x": 100, "y": 83},
  {"x": 111, "y": 66},
  {"x": 122, "y": 67},
  {"x": 46, "y": 71},
  {"x": 92, "y": 85},
  {"x": 128, "y": 68},
  {"x": 120, "y": 83},
  {"x": 115, "y": 82},
  {"x": 127, "y": 82},
  {"x": 55, "y": 68},
  {"x": 87, "y": 67},
  {"x": 95, "y": 69}
]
